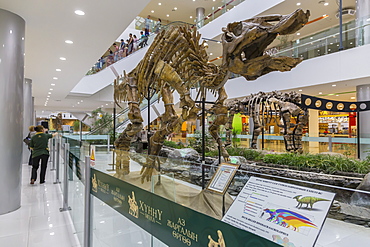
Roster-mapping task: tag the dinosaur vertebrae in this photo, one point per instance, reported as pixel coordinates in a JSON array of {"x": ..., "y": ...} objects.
[{"x": 263, "y": 108}]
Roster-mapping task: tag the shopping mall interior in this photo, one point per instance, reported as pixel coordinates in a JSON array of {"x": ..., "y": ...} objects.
[{"x": 136, "y": 168}]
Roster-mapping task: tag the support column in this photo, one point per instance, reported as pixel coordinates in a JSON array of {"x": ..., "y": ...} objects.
[
  {"x": 313, "y": 128},
  {"x": 12, "y": 30},
  {"x": 363, "y": 94},
  {"x": 362, "y": 15},
  {"x": 200, "y": 17},
  {"x": 28, "y": 119}
]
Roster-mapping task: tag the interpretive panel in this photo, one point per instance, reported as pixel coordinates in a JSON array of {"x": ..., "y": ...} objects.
[
  {"x": 222, "y": 177},
  {"x": 173, "y": 224},
  {"x": 287, "y": 214}
]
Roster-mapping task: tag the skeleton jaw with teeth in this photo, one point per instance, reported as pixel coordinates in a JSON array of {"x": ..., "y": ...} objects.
[{"x": 244, "y": 43}]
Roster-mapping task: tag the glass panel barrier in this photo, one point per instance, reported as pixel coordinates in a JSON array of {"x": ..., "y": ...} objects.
[{"x": 350, "y": 211}]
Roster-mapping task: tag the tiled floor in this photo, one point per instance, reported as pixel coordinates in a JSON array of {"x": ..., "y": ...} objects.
[{"x": 38, "y": 221}]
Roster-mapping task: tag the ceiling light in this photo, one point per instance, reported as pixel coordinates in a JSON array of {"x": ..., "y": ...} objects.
[
  {"x": 331, "y": 43},
  {"x": 22, "y": 38},
  {"x": 48, "y": 96},
  {"x": 298, "y": 33},
  {"x": 106, "y": 104},
  {"x": 300, "y": 90},
  {"x": 211, "y": 54},
  {"x": 298, "y": 4},
  {"x": 191, "y": 17},
  {"x": 82, "y": 101},
  {"x": 168, "y": 15},
  {"x": 311, "y": 38},
  {"x": 55, "y": 78},
  {"x": 152, "y": 11},
  {"x": 58, "y": 70},
  {"x": 175, "y": 8},
  {"x": 79, "y": 12},
  {"x": 51, "y": 89},
  {"x": 52, "y": 84},
  {"x": 63, "y": 58},
  {"x": 10, "y": 31},
  {"x": 69, "y": 41},
  {"x": 326, "y": 4},
  {"x": 333, "y": 85},
  {"x": 368, "y": 19},
  {"x": 49, "y": 92},
  {"x": 78, "y": 102},
  {"x": 320, "y": 92},
  {"x": 353, "y": 97},
  {"x": 159, "y": 3},
  {"x": 337, "y": 95}
]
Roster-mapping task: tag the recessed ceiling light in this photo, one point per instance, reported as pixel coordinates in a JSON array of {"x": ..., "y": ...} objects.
[
  {"x": 337, "y": 95},
  {"x": 106, "y": 104},
  {"x": 58, "y": 70},
  {"x": 353, "y": 97},
  {"x": 326, "y": 4},
  {"x": 300, "y": 90},
  {"x": 69, "y": 41},
  {"x": 79, "y": 12},
  {"x": 52, "y": 84},
  {"x": 298, "y": 33},
  {"x": 298, "y": 4},
  {"x": 175, "y": 8},
  {"x": 211, "y": 54},
  {"x": 78, "y": 102},
  {"x": 159, "y": 3},
  {"x": 63, "y": 58},
  {"x": 10, "y": 31},
  {"x": 82, "y": 101},
  {"x": 333, "y": 85},
  {"x": 55, "y": 78},
  {"x": 368, "y": 19},
  {"x": 152, "y": 11},
  {"x": 48, "y": 96},
  {"x": 168, "y": 15},
  {"x": 22, "y": 38},
  {"x": 320, "y": 92},
  {"x": 51, "y": 89},
  {"x": 191, "y": 17},
  {"x": 311, "y": 38},
  {"x": 49, "y": 92}
]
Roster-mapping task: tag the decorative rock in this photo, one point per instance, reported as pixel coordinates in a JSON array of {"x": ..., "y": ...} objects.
[{"x": 362, "y": 199}]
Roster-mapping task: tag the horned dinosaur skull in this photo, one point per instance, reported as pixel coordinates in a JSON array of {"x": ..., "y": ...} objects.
[{"x": 244, "y": 43}]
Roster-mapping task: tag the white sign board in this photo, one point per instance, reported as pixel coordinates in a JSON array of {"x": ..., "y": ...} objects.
[
  {"x": 222, "y": 177},
  {"x": 287, "y": 214}
]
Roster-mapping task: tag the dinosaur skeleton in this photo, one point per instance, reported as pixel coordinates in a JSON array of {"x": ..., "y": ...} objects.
[
  {"x": 263, "y": 108},
  {"x": 177, "y": 60}
]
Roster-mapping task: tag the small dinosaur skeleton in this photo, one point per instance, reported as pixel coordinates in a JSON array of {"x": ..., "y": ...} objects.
[
  {"x": 178, "y": 61},
  {"x": 262, "y": 107},
  {"x": 308, "y": 200}
]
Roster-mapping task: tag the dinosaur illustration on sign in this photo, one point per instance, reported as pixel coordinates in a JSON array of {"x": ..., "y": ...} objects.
[{"x": 308, "y": 200}]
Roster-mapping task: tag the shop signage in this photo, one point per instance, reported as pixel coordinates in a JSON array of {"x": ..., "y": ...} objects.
[
  {"x": 222, "y": 178},
  {"x": 173, "y": 224},
  {"x": 287, "y": 214}
]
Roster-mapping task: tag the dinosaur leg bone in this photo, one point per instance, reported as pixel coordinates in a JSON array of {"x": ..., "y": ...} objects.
[
  {"x": 123, "y": 142},
  {"x": 169, "y": 121}
]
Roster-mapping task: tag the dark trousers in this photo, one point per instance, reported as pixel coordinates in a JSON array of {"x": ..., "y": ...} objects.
[
  {"x": 30, "y": 159},
  {"x": 35, "y": 166}
]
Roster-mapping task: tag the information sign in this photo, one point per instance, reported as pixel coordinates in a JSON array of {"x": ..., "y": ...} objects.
[
  {"x": 286, "y": 214},
  {"x": 222, "y": 177}
]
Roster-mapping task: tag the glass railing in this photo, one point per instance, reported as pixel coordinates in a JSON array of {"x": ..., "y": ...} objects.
[{"x": 180, "y": 177}]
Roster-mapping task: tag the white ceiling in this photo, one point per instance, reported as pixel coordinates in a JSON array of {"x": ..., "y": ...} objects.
[{"x": 50, "y": 23}]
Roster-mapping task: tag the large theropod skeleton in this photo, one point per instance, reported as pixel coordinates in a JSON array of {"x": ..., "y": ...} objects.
[{"x": 177, "y": 60}]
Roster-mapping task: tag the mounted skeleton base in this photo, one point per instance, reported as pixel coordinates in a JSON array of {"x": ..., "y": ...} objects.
[{"x": 177, "y": 60}]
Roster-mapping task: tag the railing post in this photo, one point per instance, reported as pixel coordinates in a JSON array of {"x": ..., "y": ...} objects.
[
  {"x": 330, "y": 143},
  {"x": 57, "y": 163},
  {"x": 65, "y": 186},
  {"x": 203, "y": 176},
  {"x": 53, "y": 154},
  {"x": 87, "y": 213}
]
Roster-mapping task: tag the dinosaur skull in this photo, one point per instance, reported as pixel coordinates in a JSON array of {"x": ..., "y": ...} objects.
[{"x": 244, "y": 43}]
